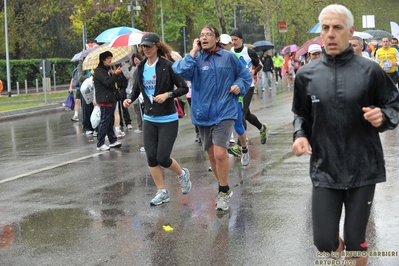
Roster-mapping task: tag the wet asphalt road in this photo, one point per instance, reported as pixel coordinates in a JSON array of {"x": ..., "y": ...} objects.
[{"x": 64, "y": 203}]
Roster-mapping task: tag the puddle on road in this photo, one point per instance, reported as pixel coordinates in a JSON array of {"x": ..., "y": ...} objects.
[{"x": 54, "y": 227}]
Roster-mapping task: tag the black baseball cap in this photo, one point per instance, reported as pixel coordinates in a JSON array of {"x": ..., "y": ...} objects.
[{"x": 150, "y": 39}]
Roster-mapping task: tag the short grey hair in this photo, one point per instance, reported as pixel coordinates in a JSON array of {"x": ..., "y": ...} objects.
[
  {"x": 357, "y": 38},
  {"x": 338, "y": 9}
]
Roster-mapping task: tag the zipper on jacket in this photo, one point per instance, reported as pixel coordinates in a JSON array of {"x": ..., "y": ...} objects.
[
  {"x": 339, "y": 117},
  {"x": 217, "y": 86}
]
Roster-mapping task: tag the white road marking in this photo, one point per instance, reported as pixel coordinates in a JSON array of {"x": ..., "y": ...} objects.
[{"x": 51, "y": 167}]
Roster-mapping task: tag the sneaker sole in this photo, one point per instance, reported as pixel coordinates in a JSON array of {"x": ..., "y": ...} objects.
[
  {"x": 116, "y": 146},
  {"x": 164, "y": 201}
]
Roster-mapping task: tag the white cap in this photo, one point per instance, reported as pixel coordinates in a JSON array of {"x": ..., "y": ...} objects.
[
  {"x": 225, "y": 39},
  {"x": 313, "y": 48}
]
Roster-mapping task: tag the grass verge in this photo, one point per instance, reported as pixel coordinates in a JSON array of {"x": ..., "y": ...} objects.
[
  {"x": 32, "y": 97},
  {"x": 5, "y": 108},
  {"x": 23, "y": 101}
]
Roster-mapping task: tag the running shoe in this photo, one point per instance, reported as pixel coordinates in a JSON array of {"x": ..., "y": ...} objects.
[
  {"x": 160, "y": 197},
  {"x": 185, "y": 182},
  {"x": 120, "y": 134},
  {"x": 245, "y": 157},
  {"x": 116, "y": 144},
  {"x": 222, "y": 201},
  {"x": 234, "y": 150},
  {"x": 103, "y": 148},
  {"x": 75, "y": 118},
  {"x": 264, "y": 133}
]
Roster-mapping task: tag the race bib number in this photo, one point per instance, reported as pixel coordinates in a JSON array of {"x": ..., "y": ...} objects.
[{"x": 386, "y": 65}]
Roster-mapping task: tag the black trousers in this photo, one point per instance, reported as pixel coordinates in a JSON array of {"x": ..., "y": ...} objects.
[
  {"x": 326, "y": 214},
  {"x": 124, "y": 112}
]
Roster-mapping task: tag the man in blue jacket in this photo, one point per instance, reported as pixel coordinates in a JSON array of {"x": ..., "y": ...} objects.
[{"x": 217, "y": 78}]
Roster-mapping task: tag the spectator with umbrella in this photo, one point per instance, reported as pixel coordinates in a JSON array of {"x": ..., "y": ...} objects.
[
  {"x": 268, "y": 67},
  {"x": 104, "y": 81},
  {"x": 262, "y": 45}
]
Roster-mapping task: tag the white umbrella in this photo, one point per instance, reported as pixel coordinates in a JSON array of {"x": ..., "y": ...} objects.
[
  {"x": 363, "y": 35},
  {"x": 129, "y": 39}
]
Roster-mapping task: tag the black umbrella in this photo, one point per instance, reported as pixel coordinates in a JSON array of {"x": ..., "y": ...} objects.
[
  {"x": 259, "y": 46},
  {"x": 379, "y": 34}
]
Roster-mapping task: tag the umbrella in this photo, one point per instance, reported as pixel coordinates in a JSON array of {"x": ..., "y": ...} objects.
[
  {"x": 304, "y": 48},
  {"x": 110, "y": 34},
  {"x": 120, "y": 54},
  {"x": 133, "y": 38},
  {"x": 290, "y": 48},
  {"x": 363, "y": 35},
  {"x": 315, "y": 29},
  {"x": 379, "y": 34},
  {"x": 263, "y": 45},
  {"x": 81, "y": 55}
]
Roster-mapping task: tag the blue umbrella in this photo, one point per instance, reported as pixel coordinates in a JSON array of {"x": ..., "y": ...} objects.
[
  {"x": 260, "y": 46},
  {"x": 315, "y": 29},
  {"x": 110, "y": 34}
]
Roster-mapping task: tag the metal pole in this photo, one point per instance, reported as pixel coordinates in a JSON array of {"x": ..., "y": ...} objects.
[
  {"x": 55, "y": 85},
  {"x": 44, "y": 81},
  {"x": 7, "y": 53},
  {"x": 163, "y": 34},
  {"x": 84, "y": 36},
  {"x": 132, "y": 12}
]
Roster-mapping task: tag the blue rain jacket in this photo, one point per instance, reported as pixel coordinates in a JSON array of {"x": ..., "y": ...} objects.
[{"x": 211, "y": 77}]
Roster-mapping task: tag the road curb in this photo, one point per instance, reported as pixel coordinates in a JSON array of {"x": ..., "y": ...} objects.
[{"x": 26, "y": 112}]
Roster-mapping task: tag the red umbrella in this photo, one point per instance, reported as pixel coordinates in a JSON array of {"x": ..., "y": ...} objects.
[
  {"x": 128, "y": 39},
  {"x": 304, "y": 48}
]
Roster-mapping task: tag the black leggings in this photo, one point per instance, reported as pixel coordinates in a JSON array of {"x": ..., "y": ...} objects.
[
  {"x": 277, "y": 71},
  {"x": 159, "y": 139},
  {"x": 326, "y": 214},
  {"x": 247, "y": 115}
]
